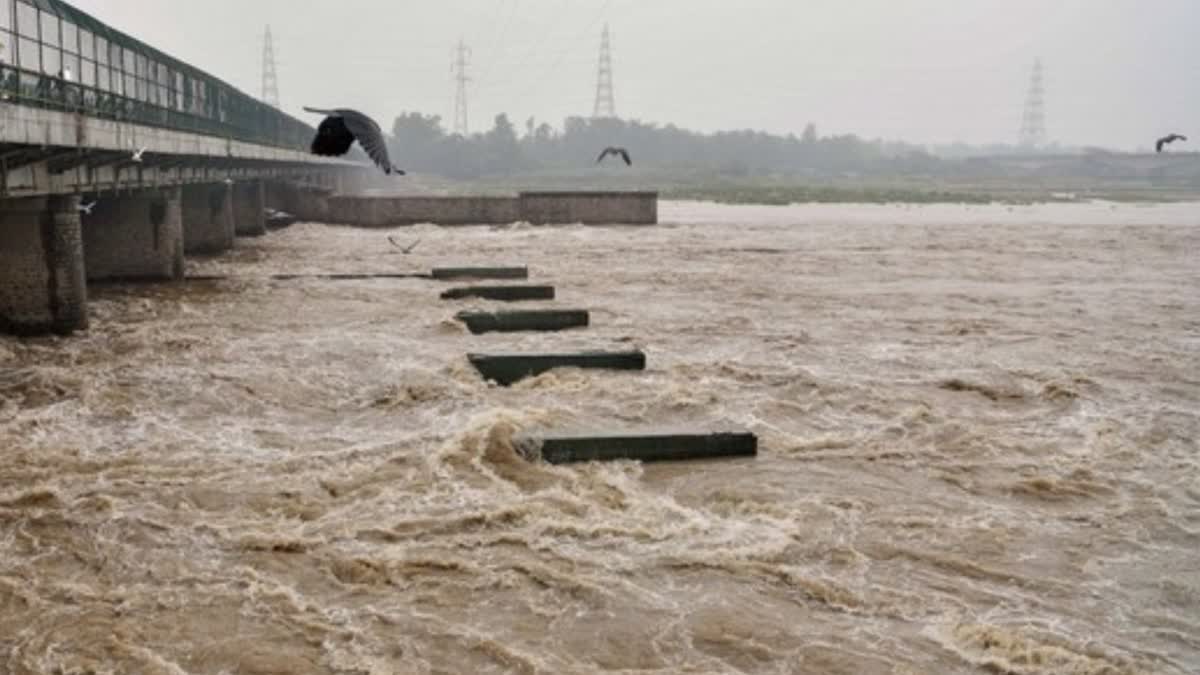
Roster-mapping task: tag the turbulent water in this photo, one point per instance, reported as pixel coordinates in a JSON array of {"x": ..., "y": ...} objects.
[{"x": 978, "y": 454}]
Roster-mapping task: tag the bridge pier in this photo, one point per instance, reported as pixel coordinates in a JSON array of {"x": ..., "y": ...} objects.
[
  {"x": 135, "y": 236},
  {"x": 249, "y": 203},
  {"x": 42, "y": 287},
  {"x": 305, "y": 200},
  {"x": 207, "y": 212}
]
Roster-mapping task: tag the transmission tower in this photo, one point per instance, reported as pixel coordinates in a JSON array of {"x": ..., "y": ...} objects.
[
  {"x": 459, "y": 68},
  {"x": 270, "y": 83},
  {"x": 1033, "y": 123},
  {"x": 604, "y": 88}
]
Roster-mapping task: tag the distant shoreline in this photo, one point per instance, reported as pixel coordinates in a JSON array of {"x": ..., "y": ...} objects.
[{"x": 805, "y": 194}]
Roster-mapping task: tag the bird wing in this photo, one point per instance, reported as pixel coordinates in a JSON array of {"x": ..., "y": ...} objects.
[
  {"x": 1158, "y": 144},
  {"x": 603, "y": 154},
  {"x": 625, "y": 156},
  {"x": 369, "y": 136},
  {"x": 319, "y": 111}
]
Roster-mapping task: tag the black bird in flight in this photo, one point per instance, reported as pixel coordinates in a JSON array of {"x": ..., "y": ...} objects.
[
  {"x": 610, "y": 150},
  {"x": 404, "y": 249},
  {"x": 341, "y": 127},
  {"x": 1158, "y": 145}
]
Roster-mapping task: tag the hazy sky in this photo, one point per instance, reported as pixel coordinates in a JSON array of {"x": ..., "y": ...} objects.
[{"x": 1118, "y": 72}]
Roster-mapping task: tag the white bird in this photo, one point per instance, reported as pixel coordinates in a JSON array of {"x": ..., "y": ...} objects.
[
  {"x": 137, "y": 154},
  {"x": 228, "y": 181},
  {"x": 86, "y": 208}
]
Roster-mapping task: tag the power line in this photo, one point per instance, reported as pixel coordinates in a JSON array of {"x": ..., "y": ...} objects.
[{"x": 545, "y": 77}]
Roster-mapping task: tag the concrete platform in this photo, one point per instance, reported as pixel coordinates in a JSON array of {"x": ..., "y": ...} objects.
[
  {"x": 506, "y": 369},
  {"x": 650, "y": 446},
  {"x": 502, "y": 293},
  {"x": 481, "y": 272},
  {"x": 522, "y": 320},
  {"x": 350, "y": 275}
]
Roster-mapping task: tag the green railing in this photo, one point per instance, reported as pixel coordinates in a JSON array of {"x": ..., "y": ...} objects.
[{"x": 65, "y": 60}]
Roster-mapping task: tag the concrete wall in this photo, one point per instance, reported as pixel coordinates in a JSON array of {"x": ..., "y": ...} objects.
[
  {"x": 387, "y": 211},
  {"x": 590, "y": 208},
  {"x": 135, "y": 236},
  {"x": 207, "y": 212},
  {"x": 249, "y": 200},
  {"x": 599, "y": 208},
  {"x": 42, "y": 286}
]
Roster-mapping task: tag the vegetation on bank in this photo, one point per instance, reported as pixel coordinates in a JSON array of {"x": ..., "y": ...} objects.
[{"x": 756, "y": 167}]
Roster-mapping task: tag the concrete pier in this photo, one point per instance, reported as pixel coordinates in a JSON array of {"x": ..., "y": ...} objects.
[
  {"x": 501, "y": 293},
  {"x": 135, "y": 236},
  {"x": 389, "y": 211},
  {"x": 505, "y": 369},
  {"x": 523, "y": 320},
  {"x": 249, "y": 209},
  {"x": 208, "y": 224},
  {"x": 308, "y": 202},
  {"x": 651, "y": 446},
  {"x": 590, "y": 207},
  {"x": 544, "y": 207},
  {"x": 42, "y": 286}
]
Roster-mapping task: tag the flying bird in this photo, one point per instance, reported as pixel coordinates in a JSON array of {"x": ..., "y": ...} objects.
[
  {"x": 1171, "y": 138},
  {"x": 610, "y": 150},
  {"x": 137, "y": 154},
  {"x": 404, "y": 249},
  {"x": 86, "y": 208},
  {"x": 341, "y": 127}
]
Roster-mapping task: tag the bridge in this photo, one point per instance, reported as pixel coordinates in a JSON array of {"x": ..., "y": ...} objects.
[{"x": 175, "y": 161}]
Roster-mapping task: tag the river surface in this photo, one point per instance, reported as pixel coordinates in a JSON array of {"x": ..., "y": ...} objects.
[{"x": 978, "y": 454}]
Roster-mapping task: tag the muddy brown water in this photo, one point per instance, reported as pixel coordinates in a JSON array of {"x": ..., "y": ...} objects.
[{"x": 977, "y": 454}]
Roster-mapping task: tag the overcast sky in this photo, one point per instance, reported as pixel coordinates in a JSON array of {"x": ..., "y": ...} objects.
[{"x": 1118, "y": 72}]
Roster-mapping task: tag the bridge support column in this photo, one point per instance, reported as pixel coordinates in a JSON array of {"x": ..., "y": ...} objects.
[
  {"x": 249, "y": 202},
  {"x": 137, "y": 236},
  {"x": 42, "y": 288},
  {"x": 207, "y": 218}
]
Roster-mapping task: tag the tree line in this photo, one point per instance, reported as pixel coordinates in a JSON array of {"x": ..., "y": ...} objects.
[{"x": 425, "y": 146}]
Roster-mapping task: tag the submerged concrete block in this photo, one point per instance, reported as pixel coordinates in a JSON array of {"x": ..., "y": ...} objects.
[
  {"x": 520, "y": 320},
  {"x": 338, "y": 276},
  {"x": 503, "y": 293},
  {"x": 481, "y": 272},
  {"x": 506, "y": 369},
  {"x": 652, "y": 446}
]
